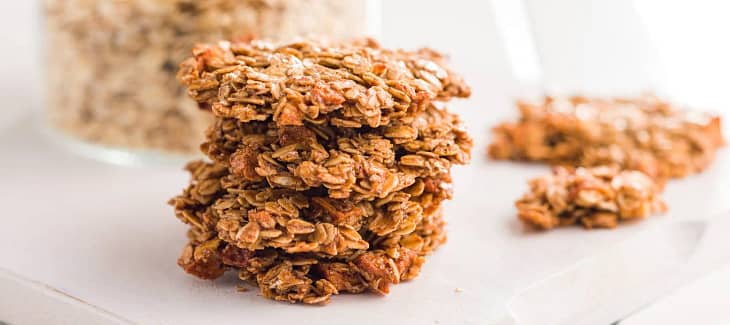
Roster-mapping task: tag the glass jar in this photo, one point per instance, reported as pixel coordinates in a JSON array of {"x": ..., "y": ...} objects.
[{"x": 111, "y": 64}]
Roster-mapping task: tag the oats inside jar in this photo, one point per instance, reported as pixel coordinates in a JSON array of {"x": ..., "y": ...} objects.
[{"x": 111, "y": 65}]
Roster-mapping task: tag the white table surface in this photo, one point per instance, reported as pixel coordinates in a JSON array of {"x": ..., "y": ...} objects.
[{"x": 104, "y": 234}]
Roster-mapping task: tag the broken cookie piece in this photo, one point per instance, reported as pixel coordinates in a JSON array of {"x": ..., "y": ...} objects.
[{"x": 598, "y": 197}]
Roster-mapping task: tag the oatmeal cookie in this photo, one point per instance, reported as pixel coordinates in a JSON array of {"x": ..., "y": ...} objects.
[
  {"x": 645, "y": 134},
  {"x": 347, "y": 85}
]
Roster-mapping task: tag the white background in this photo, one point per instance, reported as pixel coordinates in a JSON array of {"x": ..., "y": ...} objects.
[{"x": 678, "y": 48}]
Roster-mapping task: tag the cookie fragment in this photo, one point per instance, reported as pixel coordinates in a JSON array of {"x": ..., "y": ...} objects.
[{"x": 598, "y": 197}]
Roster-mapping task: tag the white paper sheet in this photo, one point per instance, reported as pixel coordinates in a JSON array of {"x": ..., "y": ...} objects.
[{"x": 105, "y": 235}]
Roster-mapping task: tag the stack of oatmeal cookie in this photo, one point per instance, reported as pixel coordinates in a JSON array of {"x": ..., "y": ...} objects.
[
  {"x": 329, "y": 165},
  {"x": 619, "y": 152}
]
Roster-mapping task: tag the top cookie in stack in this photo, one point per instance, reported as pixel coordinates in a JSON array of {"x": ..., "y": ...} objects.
[
  {"x": 329, "y": 164},
  {"x": 345, "y": 85}
]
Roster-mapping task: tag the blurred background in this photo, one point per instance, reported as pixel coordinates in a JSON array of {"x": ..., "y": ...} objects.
[{"x": 505, "y": 49}]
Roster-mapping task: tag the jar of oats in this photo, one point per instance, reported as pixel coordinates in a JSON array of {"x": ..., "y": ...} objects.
[{"x": 111, "y": 64}]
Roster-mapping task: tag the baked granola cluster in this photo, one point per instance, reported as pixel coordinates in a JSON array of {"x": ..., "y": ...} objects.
[
  {"x": 633, "y": 146},
  {"x": 329, "y": 164},
  {"x": 597, "y": 197}
]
